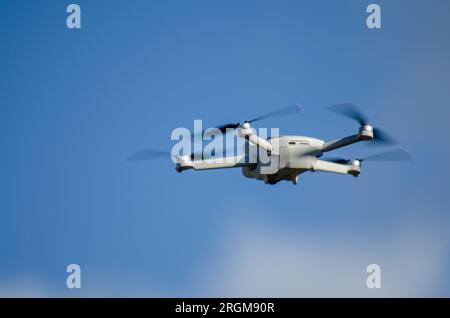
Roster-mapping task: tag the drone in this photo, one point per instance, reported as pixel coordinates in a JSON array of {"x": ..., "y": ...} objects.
[{"x": 289, "y": 156}]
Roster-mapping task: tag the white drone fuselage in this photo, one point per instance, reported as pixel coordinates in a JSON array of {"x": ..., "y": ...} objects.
[{"x": 288, "y": 156}]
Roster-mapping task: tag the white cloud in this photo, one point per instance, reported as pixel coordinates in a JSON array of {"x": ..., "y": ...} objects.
[
  {"x": 259, "y": 261},
  {"x": 25, "y": 286},
  {"x": 263, "y": 260}
]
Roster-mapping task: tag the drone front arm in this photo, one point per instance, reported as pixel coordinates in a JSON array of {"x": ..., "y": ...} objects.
[
  {"x": 185, "y": 163},
  {"x": 246, "y": 131}
]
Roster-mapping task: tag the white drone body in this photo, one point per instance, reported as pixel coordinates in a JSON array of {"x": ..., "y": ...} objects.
[
  {"x": 289, "y": 156},
  {"x": 286, "y": 157}
]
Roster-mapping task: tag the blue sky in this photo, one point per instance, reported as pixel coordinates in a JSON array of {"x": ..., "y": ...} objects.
[{"x": 76, "y": 103}]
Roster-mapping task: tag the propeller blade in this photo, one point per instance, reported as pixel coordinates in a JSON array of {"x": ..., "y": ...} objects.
[
  {"x": 289, "y": 110},
  {"x": 380, "y": 136},
  {"x": 393, "y": 155},
  {"x": 148, "y": 154},
  {"x": 349, "y": 110},
  {"x": 223, "y": 128}
]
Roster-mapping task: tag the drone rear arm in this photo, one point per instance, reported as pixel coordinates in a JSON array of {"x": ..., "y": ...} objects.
[
  {"x": 339, "y": 143},
  {"x": 365, "y": 133}
]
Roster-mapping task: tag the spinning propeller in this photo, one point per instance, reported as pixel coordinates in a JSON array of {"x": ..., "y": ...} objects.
[
  {"x": 393, "y": 155},
  {"x": 351, "y": 111},
  {"x": 149, "y": 154},
  {"x": 289, "y": 110}
]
